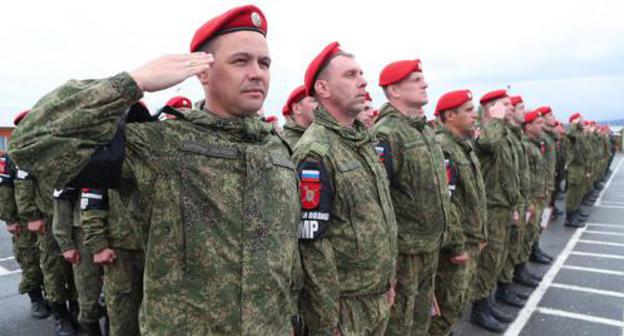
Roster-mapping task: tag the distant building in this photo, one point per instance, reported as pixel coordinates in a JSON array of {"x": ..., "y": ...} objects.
[{"x": 6, "y": 126}]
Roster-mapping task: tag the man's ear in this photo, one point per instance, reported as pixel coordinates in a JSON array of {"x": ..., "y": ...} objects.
[
  {"x": 204, "y": 77},
  {"x": 321, "y": 88}
]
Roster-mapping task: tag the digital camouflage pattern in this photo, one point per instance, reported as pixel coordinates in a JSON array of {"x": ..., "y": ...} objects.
[
  {"x": 54, "y": 268},
  {"x": 25, "y": 243},
  {"x": 107, "y": 227},
  {"x": 292, "y": 132},
  {"x": 349, "y": 269},
  {"x": 87, "y": 275},
  {"x": 578, "y": 167},
  {"x": 219, "y": 198},
  {"x": 502, "y": 185},
  {"x": 468, "y": 202},
  {"x": 538, "y": 193}
]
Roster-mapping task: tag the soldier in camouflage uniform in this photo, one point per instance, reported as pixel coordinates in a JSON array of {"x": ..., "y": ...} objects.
[
  {"x": 24, "y": 241},
  {"x": 71, "y": 240},
  {"x": 414, "y": 164},
  {"x": 576, "y": 171},
  {"x": 104, "y": 223},
  {"x": 457, "y": 116},
  {"x": 368, "y": 115},
  {"x": 217, "y": 191},
  {"x": 347, "y": 233},
  {"x": 504, "y": 291},
  {"x": 299, "y": 114},
  {"x": 502, "y": 184}
]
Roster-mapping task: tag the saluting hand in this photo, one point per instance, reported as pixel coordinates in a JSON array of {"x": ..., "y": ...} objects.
[
  {"x": 498, "y": 110},
  {"x": 169, "y": 70}
]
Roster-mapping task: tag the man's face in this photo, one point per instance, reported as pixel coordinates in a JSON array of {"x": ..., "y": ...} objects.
[
  {"x": 368, "y": 115},
  {"x": 510, "y": 114},
  {"x": 464, "y": 118},
  {"x": 536, "y": 128},
  {"x": 413, "y": 90},
  {"x": 346, "y": 84},
  {"x": 519, "y": 111},
  {"x": 549, "y": 120},
  {"x": 238, "y": 81},
  {"x": 304, "y": 109}
]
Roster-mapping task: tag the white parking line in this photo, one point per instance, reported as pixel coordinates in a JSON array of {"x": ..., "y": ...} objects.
[
  {"x": 516, "y": 326},
  {"x": 608, "y": 206},
  {"x": 606, "y": 233},
  {"x": 598, "y": 255},
  {"x": 581, "y": 317},
  {"x": 606, "y": 186},
  {"x": 599, "y": 242},
  {"x": 588, "y": 290},
  {"x": 606, "y": 225},
  {"x": 592, "y": 270}
]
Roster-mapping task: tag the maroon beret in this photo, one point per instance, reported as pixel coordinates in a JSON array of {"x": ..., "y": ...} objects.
[
  {"x": 19, "y": 117},
  {"x": 318, "y": 63},
  {"x": 295, "y": 96},
  {"x": 488, "y": 97},
  {"x": 451, "y": 100},
  {"x": 397, "y": 71},
  {"x": 515, "y": 100}
]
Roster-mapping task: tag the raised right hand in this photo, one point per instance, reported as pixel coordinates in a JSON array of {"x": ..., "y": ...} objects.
[
  {"x": 498, "y": 111},
  {"x": 169, "y": 70}
]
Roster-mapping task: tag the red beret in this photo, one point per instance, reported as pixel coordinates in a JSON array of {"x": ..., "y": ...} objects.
[
  {"x": 368, "y": 97},
  {"x": 295, "y": 97},
  {"x": 397, "y": 71},
  {"x": 544, "y": 110},
  {"x": 270, "y": 119},
  {"x": 318, "y": 63},
  {"x": 515, "y": 100},
  {"x": 19, "y": 117},
  {"x": 574, "y": 117},
  {"x": 179, "y": 102},
  {"x": 531, "y": 116},
  {"x": 488, "y": 97},
  {"x": 451, "y": 100},
  {"x": 247, "y": 17}
]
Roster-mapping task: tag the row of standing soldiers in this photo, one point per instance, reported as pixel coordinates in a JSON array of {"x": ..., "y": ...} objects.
[{"x": 384, "y": 231}]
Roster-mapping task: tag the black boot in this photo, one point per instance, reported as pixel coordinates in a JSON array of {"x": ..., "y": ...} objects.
[
  {"x": 572, "y": 220},
  {"x": 482, "y": 317},
  {"x": 539, "y": 258},
  {"x": 541, "y": 252},
  {"x": 90, "y": 329},
  {"x": 38, "y": 306},
  {"x": 506, "y": 295},
  {"x": 523, "y": 277},
  {"x": 498, "y": 313},
  {"x": 62, "y": 320}
]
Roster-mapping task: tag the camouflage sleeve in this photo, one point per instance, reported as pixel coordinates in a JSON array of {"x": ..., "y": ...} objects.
[
  {"x": 320, "y": 304},
  {"x": 385, "y": 148},
  {"x": 8, "y": 208},
  {"x": 491, "y": 135},
  {"x": 62, "y": 223},
  {"x": 25, "y": 199},
  {"x": 94, "y": 221},
  {"x": 455, "y": 240},
  {"x": 56, "y": 140}
]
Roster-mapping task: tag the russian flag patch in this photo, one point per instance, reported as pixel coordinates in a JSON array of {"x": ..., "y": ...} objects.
[{"x": 308, "y": 175}]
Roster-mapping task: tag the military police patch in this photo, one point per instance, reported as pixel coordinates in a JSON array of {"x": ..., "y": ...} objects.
[
  {"x": 7, "y": 173},
  {"x": 385, "y": 155},
  {"x": 316, "y": 197},
  {"x": 451, "y": 174},
  {"x": 67, "y": 193}
]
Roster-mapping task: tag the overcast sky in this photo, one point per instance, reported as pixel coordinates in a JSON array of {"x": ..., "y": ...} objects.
[{"x": 566, "y": 54}]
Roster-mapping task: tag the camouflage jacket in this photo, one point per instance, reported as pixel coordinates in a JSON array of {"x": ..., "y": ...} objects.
[
  {"x": 414, "y": 165},
  {"x": 524, "y": 175},
  {"x": 347, "y": 234},
  {"x": 467, "y": 188},
  {"x": 551, "y": 159},
  {"x": 8, "y": 208},
  {"x": 537, "y": 168},
  {"x": 292, "y": 132},
  {"x": 104, "y": 224},
  {"x": 66, "y": 217},
  {"x": 499, "y": 166},
  {"x": 576, "y": 149},
  {"x": 219, "y": 197}
]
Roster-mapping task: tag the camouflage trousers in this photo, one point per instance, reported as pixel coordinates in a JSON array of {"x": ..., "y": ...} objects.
[
  {"x": 123, "y": 291},
  {"x": 516, "y": 246},
  {"x": 494, "y": 254},
  {"x": 56, "y": 271},
  {"x": 365, "y": 315},
  {"x": 88, "y": 279},
  {"x": 532, "y": 233},
  {"x": 576, "y": 188},
  {"x": 27, "y": 256},
  {"x": 411, "y": 313},
  {"x": 452, "y": 290}
]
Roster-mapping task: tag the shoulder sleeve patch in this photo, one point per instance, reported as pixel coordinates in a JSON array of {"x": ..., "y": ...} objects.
[
  {"x": 7, "y": 171},
  {"x": 67, "y": 193},
  {"x": 93, "y": 199},
  {"x": 316, "y": 200},
  {"x": 451, "y": 173},
  {"x": 385, "y": 155}
]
